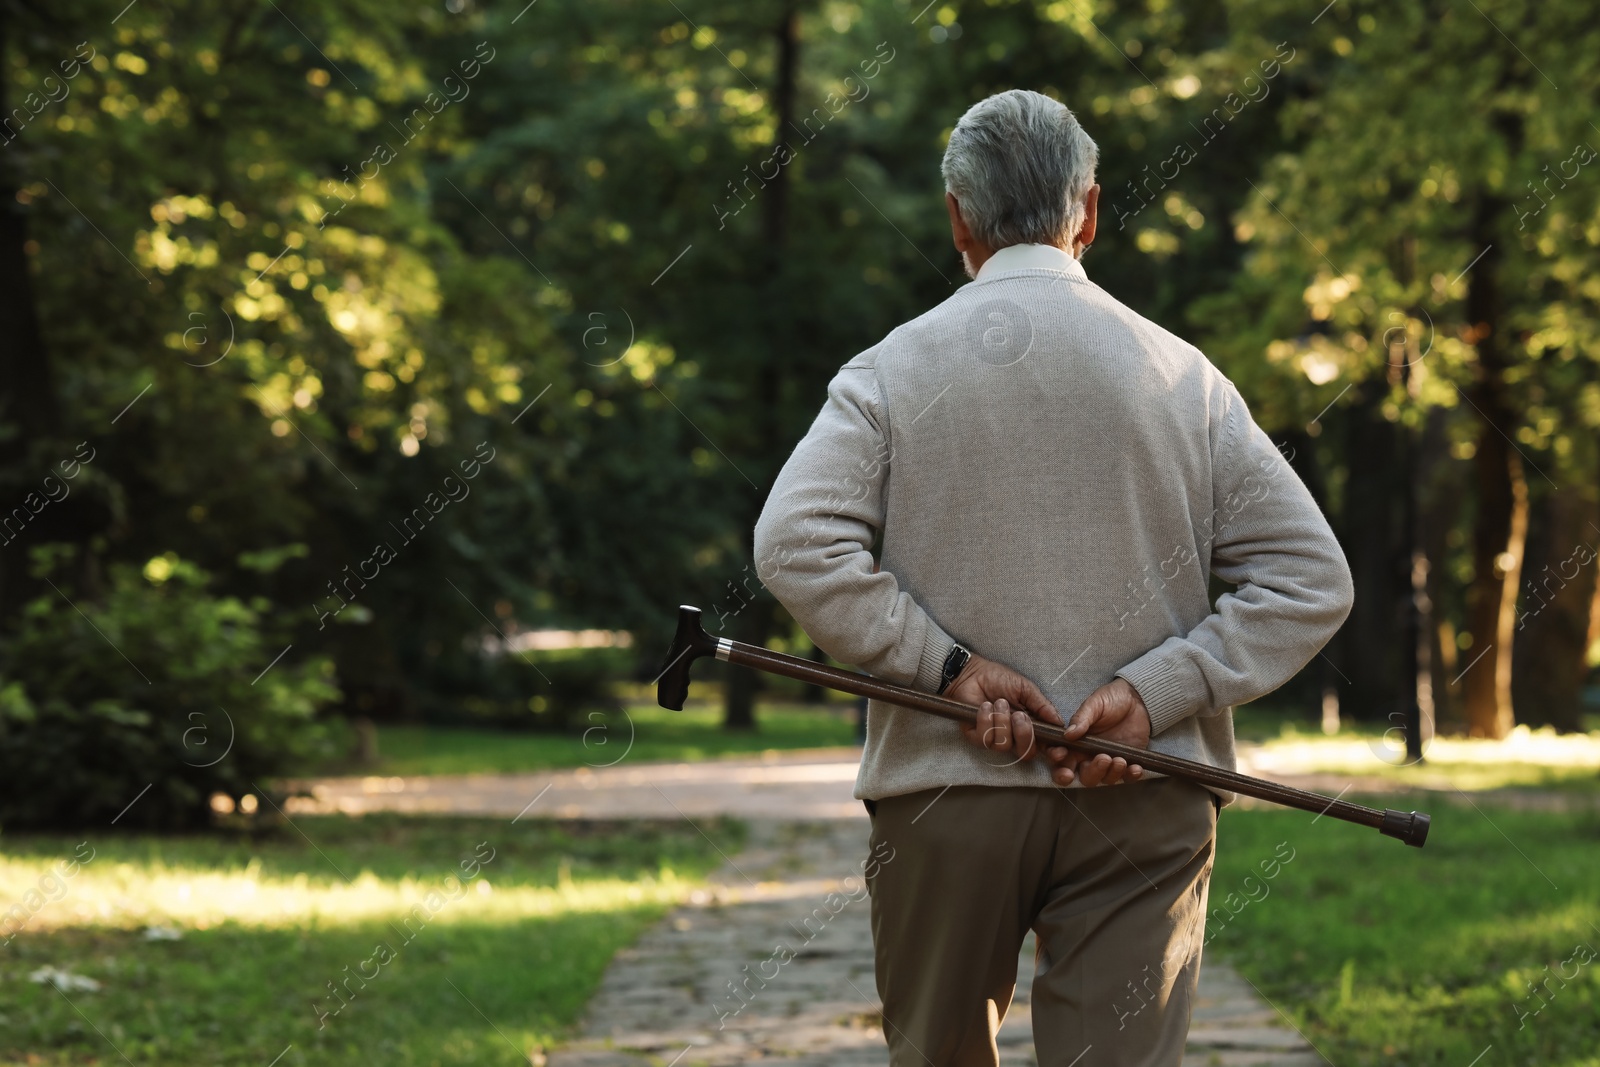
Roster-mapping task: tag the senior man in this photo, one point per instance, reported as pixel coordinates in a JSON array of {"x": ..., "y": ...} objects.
[{"x": 1052, "y": 480}]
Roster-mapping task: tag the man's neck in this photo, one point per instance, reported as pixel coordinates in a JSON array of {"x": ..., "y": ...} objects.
[
  {"x": 1022, "y": 257},
  {"x": 975, "y": 257}
]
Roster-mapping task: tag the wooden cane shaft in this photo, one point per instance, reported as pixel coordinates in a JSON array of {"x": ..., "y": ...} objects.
[{"x": 746, "y": 655}]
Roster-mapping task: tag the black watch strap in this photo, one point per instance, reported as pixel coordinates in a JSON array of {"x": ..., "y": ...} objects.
[{"x": 954, "y": 664}]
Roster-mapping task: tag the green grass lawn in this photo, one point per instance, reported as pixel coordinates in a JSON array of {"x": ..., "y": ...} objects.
[
  {"x": 1384, "y": 954},
  {"x": 654, "y": 734},
  {"x": 492, "y": 967},
  {"x": 1379, "y": 953}
]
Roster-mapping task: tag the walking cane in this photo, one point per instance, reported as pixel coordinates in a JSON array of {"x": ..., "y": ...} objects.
[{"x": 692, "y": 642}]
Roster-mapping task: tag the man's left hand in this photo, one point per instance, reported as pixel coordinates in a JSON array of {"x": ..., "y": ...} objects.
[
  {"x": 1114, "y": 712},
  {"x": 1007, "y": 704}
]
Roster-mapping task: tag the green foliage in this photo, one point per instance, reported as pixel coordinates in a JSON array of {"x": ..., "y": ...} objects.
[
  {"x": 315, "y": 333},
  {"x": 319, "y": 334},
  {"x": 152, "y": 682},
  {"x": 1381, "y": 195}
]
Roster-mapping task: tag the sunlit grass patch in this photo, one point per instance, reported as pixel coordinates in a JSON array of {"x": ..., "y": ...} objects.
[
  {"x": 189, "y": 897},
  {"x": 229, "y": 951},
  {"x": 1527, "y": 758}
]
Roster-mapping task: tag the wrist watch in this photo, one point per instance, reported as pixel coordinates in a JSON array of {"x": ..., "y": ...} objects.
[{"x": 954, "y": 664}]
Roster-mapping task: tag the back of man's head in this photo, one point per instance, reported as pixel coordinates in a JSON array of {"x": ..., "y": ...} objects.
[{"x": 1020, "y": 165}]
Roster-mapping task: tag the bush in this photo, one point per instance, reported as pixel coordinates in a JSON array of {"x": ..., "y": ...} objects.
[
  {"x": 574, "y": 682},
  {"x": 542, "y": 691},
  {"x": 155, "y": 683}
]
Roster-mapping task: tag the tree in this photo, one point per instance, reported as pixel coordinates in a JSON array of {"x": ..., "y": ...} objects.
[
  {"x": 1393, "y": 222},
  {"x": 287, "y": 349}
]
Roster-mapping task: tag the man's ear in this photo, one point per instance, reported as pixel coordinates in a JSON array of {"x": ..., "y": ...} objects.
[
  {"x": 1091, "y": 219},
  {"x": 958, "y": 225}
]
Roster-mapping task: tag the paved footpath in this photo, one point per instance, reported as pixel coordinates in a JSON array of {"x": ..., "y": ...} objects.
[
  {"x": 667, "y": 1000},
  {"x": 786, "y": 786},
  {"x": 806, "y": 785}
]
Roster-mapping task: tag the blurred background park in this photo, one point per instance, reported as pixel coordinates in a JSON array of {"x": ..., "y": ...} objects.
[{"x": 376, "y": 379}]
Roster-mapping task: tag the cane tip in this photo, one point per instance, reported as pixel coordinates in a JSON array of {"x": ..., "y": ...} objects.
[{"x": 1409, "y": 826}]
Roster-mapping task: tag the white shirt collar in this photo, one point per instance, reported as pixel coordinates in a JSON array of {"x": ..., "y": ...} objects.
[{"x": 1030, "y": 257}]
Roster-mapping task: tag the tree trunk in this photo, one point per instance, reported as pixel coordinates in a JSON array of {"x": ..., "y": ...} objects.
[
  {"x": 739, "y": 711},
  {"x": 815, "y": 694},
  {"x": 1593, "y": 640},
  {"x": 28, "y": 410},
  {"x": 1501, "y": 524},
  {"x": 1313, "y": 687},
  {"x": 1498, "y": 544},
  {"x": 1441, "y": 510},
  {"x": 756, "y": 625},
  {"x": 1552, "y": 628},
  {"x": 1373, "y": 532}
]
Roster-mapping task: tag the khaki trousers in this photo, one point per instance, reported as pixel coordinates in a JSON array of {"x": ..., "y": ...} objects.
[{"x": 1113, "y": 882}]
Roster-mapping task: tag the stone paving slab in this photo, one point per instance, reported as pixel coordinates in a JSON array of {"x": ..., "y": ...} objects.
[{"x": 670, "y": 1000}]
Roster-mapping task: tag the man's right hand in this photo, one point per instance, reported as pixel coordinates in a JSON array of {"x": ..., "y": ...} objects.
[
  {"x": 1000, "y": 694},
  {"x": 1115, "y": 712}
]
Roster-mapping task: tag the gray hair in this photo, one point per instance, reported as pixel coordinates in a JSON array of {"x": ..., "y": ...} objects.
[{"x": 1021, "y": 165}]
